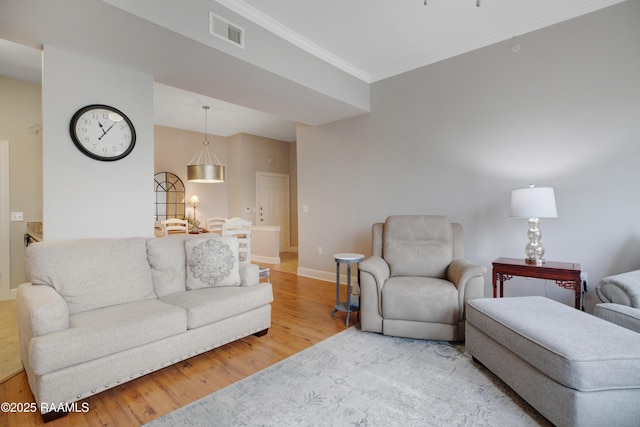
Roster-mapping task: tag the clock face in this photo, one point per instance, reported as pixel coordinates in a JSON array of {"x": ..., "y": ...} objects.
[{"x": 102, "y": 132}]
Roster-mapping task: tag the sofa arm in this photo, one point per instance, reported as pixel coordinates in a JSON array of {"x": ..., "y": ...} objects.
[
  {"x": 249, "y": 274},
  {"x": 621, "y": 315},
  {"x": 621, "y": 289},
  {"x": 41, "y": 310},
  {"x": 469, "y": 279}
]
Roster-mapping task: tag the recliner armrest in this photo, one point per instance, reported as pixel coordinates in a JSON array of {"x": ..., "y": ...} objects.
[
  {"x": 378, "y": 268},
  {"x": 460, "y": 271},
  {"x": 621, "y": 289},
  {"x": 374, "y": 272},
  {"x": 468, "y": 277}
]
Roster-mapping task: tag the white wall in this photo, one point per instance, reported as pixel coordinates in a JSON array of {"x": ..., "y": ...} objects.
[
  {"x": 456, "y": 137},
  {"x": 85, "y": 197}
]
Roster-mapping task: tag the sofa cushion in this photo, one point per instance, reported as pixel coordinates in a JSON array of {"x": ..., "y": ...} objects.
[
  {"x": 212, "y": 262},
  {"x": 420, "y": 299},
  {"x": 418, "y": 245},
  {"x": 101, "y": 332},
  {"x": 92, "y": 273},
  {"x": 206, "y": 306},
  {"x": 168, "y": 263},
  {"x": 550, "y": 337}
]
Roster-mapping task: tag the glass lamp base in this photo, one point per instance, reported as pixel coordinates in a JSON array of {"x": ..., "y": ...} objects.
[{"x": 534, "y": 249}]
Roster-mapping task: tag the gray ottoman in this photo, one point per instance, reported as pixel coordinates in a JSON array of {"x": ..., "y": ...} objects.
[{"x": 574, "y": 368}]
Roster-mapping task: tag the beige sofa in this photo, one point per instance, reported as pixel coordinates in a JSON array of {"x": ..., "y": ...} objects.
[{"x": 100, "y": 312}]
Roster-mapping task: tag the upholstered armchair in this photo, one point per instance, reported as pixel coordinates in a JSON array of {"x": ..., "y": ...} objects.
[
  {"x": 416, "y": 282},
  {"x": 620, "y": 296}
]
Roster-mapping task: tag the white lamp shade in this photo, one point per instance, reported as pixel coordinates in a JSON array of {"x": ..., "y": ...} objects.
[
  {"x": 533, "y": 202},
  {"x": 194, "y": 200}
]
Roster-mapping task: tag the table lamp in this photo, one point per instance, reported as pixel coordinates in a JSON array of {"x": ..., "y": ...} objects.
[
  {"x": 534, "y": 203},
  {"x": 194, "y": 201}
]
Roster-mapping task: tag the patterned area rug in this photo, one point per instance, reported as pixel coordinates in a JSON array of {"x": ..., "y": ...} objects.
[{"x": 364, "y": 379}]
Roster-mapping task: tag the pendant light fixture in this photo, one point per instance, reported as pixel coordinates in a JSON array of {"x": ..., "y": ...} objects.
[{"x": 201, "y": 167}]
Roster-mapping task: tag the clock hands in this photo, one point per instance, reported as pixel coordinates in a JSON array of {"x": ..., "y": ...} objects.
[
  {"x": 103, "y": 131},
  {"x": 101, "y": 128},
  {"x": 110, "y": 127}
]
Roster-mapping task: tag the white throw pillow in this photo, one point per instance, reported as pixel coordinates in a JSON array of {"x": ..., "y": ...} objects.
[{"x": 212, "y": 262}]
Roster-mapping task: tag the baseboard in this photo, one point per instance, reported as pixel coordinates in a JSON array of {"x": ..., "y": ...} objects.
[
  {"x": 317, "y": 274},
  {"x": 265, "y": 259},
  {"x": 327, "y": 276}
]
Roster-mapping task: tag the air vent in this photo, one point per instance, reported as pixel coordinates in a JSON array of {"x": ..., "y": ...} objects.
[{"x": 225, "y": 30}]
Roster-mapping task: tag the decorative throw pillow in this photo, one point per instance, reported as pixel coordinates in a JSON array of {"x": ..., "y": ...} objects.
[{"x": 212, "y": 262}]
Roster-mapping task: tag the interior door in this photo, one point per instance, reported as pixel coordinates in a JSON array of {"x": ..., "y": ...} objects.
[
  {"x": 5, "y": 248},
  {"x": 273, "y": 203}
]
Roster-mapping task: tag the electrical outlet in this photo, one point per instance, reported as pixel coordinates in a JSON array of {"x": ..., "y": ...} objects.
[
  {"x": 319, "y": 250},
  {"x": 17, "y": 216},
  {"x": 584, "y": 276}
]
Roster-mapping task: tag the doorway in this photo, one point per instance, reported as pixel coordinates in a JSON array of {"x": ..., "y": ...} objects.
[
  {"x": 5, "y": 248},
  {"x": 272, "y": 201}
]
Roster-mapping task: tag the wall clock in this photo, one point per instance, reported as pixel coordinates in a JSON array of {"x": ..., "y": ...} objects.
[{"x": 102, "y": 132}]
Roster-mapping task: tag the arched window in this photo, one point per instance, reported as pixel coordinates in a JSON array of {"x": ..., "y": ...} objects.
[{"x": 169, "y": 196}]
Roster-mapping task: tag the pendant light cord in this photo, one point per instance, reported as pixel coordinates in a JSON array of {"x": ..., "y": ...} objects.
[{"x": 205, "y": 146}]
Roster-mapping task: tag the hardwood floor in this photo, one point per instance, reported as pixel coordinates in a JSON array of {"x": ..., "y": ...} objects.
[
  {"x": 300, "y": 318},
  {"x": 9, "y": 346}
]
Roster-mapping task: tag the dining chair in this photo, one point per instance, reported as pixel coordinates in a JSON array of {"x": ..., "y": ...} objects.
[
  {"x": 241, "y": 229},
  {"x": 175, "y": 226},
  {"x": 214, "y": 224}
]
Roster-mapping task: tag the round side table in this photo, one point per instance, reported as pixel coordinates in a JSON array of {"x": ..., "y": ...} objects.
[{"x": 349, "y": 259}]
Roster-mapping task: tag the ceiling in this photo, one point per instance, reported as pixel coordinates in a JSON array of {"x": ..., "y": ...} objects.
[
  {"x": 351, "y": 45},
  {"x": 173, "y": 107},
  {"x": 376, "y": 39}
]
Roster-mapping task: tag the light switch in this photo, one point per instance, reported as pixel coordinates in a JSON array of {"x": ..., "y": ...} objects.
[
  {"x": 17, "y": 216},
  {"x": 305, "y": 208}
]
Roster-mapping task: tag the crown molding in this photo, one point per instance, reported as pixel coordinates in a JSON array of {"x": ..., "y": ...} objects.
[
  {"x": 286, "y": 33},
  {"x": 268, "y": 23}
]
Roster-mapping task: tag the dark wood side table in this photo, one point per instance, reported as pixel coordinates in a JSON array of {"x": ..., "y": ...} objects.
[{"x": 566, "y": 274}]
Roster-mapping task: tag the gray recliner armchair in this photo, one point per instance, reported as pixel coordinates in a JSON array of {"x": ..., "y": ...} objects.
[
  {"x": 620, "y": 296},
  {"x": 416, "y": 282}
]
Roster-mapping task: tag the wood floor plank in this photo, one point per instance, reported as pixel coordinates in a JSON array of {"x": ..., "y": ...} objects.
[
  {"x": 10, "y": 349},
  {"x": 300, "y": 318}
]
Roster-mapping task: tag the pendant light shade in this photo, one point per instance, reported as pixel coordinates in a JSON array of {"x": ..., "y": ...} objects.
[
  {"x": 205, "y": 173},
  {"x": 201, "y": 168}
]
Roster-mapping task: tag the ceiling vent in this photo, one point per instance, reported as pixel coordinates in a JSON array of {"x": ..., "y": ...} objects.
[{"x": 220, "y": 27}]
